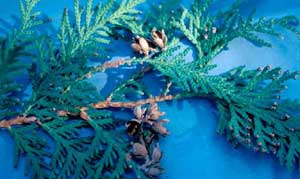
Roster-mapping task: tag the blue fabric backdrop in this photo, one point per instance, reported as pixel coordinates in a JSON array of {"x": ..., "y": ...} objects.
[{"x": 194, "y": 150}]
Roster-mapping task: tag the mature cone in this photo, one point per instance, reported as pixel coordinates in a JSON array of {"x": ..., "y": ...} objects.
[
  {"x": 159, "y": 38},
  {"x": 141, "y": 45}
]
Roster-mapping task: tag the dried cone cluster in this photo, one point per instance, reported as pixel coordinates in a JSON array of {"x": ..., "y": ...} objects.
[
  {"x": 144, "y": 128},
  {"x": 145, "y": 46},
  {"x": 159, "y": 38},
  {"x": 150, "y": 161},
  {"x": 147, "y": 117}
]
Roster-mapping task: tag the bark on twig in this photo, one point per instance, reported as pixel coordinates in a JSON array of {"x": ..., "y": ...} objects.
[
  {"x": 107, "y": 104},
  {"x": 19, "y": 120}
]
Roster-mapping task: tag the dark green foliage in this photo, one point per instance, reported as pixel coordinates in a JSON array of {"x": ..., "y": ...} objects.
[
  {"x": 11, "y": 50},
  {"x": 34, "y": 147},
  {"x": 85, "y": 156},
  {"x": 76, "y": 148},
  {"x": 10, "y": 68},
  {"x": 210, "y": 34},
  {"x": 58, "y": 147},
  {"x": 164, "y": 12},
  {"x": 132, "y": 87},
  {"x": 92, "y": 27},
  {"x": 256, "y": 117},
  {"x": 72, "y": 139},
  {"x": 251, "y": 112},
  {"x": 158, "y": 16}
]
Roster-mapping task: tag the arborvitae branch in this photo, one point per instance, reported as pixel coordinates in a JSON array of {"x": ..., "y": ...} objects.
[
  {"x": 68, "y": 130},
  {"x": 84, "y": 38},
  {"x": 251, "y": 112},
  {"x": 13, "y": 47},
  {"x": 210, "y": 34}
]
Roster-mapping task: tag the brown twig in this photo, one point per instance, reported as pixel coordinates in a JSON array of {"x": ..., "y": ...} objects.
[
  {"x": 19, "y": 120},
  {"x": 108, "y": 103},
  {"x": 104, "y": 66}
]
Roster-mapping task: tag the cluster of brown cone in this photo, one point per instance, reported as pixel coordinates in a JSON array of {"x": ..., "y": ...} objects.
[
  {"x": 149, "y": 116},
  {"x": 151, "y": 165},
  {"x": 143, "y": 149},
  {"x": 145, "y": 46}
]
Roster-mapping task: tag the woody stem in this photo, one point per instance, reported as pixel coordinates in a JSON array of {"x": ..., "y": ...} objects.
[
  {"x": 106, "y": 65},
  {"x": 19, "y": 120},
  {"x": 132, "y": 104}
]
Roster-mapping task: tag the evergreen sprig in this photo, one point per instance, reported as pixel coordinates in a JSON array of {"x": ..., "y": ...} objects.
[
  {"x": 10, "y": 68},
  {"x": 56, "y": 146},
  {"x": 66, "y": 129},
  {"x": 251, "y": 112},
  {"x": 211, "y": 33},
  {"x": 83, "y": 39},
  {"x": 13, "y": 48}
]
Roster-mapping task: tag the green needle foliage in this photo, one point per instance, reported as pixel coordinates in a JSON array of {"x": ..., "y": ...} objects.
[
  {"x": 70, "y": 138},
  {"x": 92, "y": 27},
  {"x": 251, "y": 112},
  {"x": 10, "y": 68},
  {"x": 58, "y": 147},
  {"x": 12, "y": 48},
  {"x": 210, "y": 34}
]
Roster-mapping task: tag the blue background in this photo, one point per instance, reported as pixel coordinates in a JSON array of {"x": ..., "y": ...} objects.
[{"x": 194, "y": 150}]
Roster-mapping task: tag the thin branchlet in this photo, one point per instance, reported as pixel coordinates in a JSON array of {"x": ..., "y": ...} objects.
[{"x": 64, "y": 103}]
